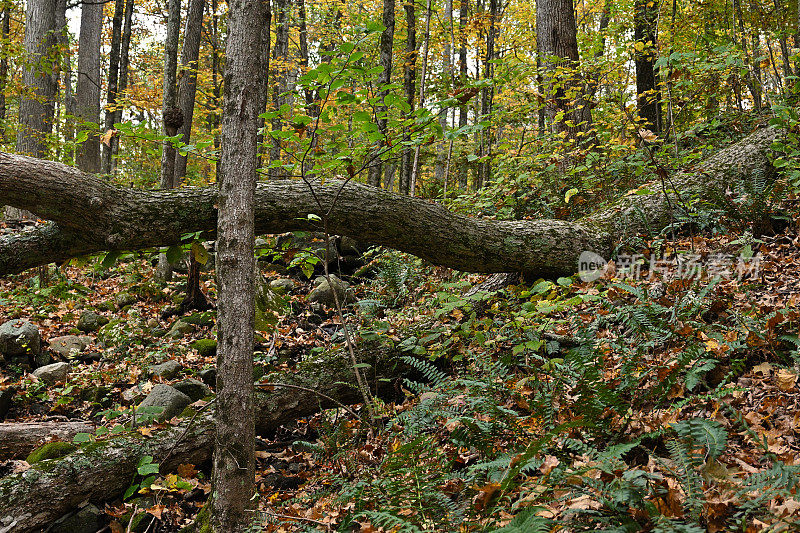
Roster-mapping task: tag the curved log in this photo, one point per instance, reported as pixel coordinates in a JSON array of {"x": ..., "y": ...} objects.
[
  {"x": 18, "y": 439},
  {"x": 103, "y": 470},
  {"x": 90, "y": 215}
]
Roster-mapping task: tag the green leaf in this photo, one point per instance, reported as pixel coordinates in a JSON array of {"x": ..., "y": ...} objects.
[
  {"x": 82, "y": 437},
  {"x": 200, "y": 253},
  {"x": 109, "y": 259},
  {"x": 82, "y": 136},
  {"x": 570, "y": 193},
  {"x": 147, "y": 469},
  {"x": 174, "y": 253}
]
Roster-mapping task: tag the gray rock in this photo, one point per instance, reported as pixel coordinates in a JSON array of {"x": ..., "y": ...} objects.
[
  {"x": 167, "y": 369},
  {"x": 89, "y": 519},
  {"x": 163, "y": 271},
  {"x": 51, "y": 374},
  {"x": 69, "y": 346},
  {"x": 323, "y": 292},
  {"x": 179, "y": 329},
  {"x": 91, "y": 321},
  {"x": 171, "y": 400},
  {"x": 152, "y": 323},
  {"x": 18, "y": 338},
  {"x": 281, "y": 285},
  {"x": 125, "y": 298},
  {"x": 6, "y": 397},
  {"x": 194, "y": 389},
  {"x": 208, "y": 375}
]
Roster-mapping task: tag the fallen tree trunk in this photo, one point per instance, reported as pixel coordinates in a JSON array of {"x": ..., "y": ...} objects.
[
  {"x": 103, "y": 470},
  {"x": 89, "y": 215},
  {"x": 18, "y": 439}
]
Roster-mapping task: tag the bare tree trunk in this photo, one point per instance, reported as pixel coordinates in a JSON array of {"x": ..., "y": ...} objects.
[
  {"x": 187, "y": 84},
  {"x": 171, "y": 113},
  {"x": 36, "y": 102},
  {"x": 124, "y": 62},
  {"x": 409, "y": 84},
  {"x": 426, "y": 45},
  {"x": 444, "y": 149},
  {"x": 234, "y": 453},
  {"x": 752, "y": 85},
  {"x": 462, "y": 75},
  {"x": 113, "y": 79},
  {"x": 558, "y": 48},
  {"x": 386, "y": 48},
  {"x": 216, "y": 88},
  {"x": 5, "y": 28},
  {"x": 648, "y": 92},
  {"x": 280, "y": 56},
  {"x": 487, "y": 96},
  {"x": 87, "y": 90}
]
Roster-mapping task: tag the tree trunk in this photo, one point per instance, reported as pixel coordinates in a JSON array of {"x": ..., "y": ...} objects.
[
  {"x": 87, "y": 90},
  {"x": 91, "y": 215},
  {"x": 124, "y": 62},
  {"x": 187, "y": 84},
  {"x": 5, "y": 27},
  {"x": 113, "y": 78},
  {"x": 487, "y": 96},
  {"x": 648, "y": 93},
  {"x": 409, "y": 83},
  {"x": 442, "y": 158},
  {"x": 385, "y": 52},
  {"x": 422, "y": 95},
  {"x": 462, "y": 74},
  {"x": 234, "y": 452},
  {"x": 566, "y": 108},
  {"x": 100, "y": 472},
  {"x": 280, "y": 55},
  {"x": 171, "y": 113},
  {"x": 37, "y": 100}
]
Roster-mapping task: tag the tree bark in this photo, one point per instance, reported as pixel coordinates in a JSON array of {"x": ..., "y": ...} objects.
[
  {"x": 17, "y": 440},
  {"x": 556, "y": 31},
  {"x": 409, "y": 83},
  {"x": 187, "y": 78},
  {"x": 441, "y": 167},
  {"x": 91, "y": 215},
  {"x": 100, "y": 472},
  {"x": 385, "y": 52},
  {"x": 462, "y": 80},
  {"x": 124, "y": 62},
  {"x": 87, "y": 90},
  {"x": 234, "y": 450},
  {"x": 279, "y": 75},
  {"x": 171, "y": 113},
  {"x": 113, "y": 78},
  {"x": 648, "y": 93},
  {"x": 5, "y": 28}
]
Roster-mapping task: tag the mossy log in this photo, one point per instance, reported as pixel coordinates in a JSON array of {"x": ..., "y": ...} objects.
[
  {"x": 17, "y": 439},
  {"x": 101, "y": 471},
  {"x": 90, "y": 215}
]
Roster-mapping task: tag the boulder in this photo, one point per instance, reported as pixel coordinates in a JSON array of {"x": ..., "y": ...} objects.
[
  {"x": 204, "y": 319},
  {"x": 124, "y": 298},
  {"x": 205, "y": 347},
  {"x": 209, "y": 376},
  {"x": 281, "y": 285},
  {"x": 167, "y": 369},
  {"x": 91, "y": 321},
  {"x": 194, "y": 389},
  {"x": 179, "y": 329},
  {"x": 19, "y": 338},
  {"x": 170, "y": 399},
  {"x": 68, "y": 346},
  {"x": 323, "y": 292},
  {"x": 88, "y": 519},
  {"x": 6, "y": 397},
  {"x": 51, "y": 374}
]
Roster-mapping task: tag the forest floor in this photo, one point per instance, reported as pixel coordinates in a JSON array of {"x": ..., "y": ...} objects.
[{"x": 661, "y": 396}]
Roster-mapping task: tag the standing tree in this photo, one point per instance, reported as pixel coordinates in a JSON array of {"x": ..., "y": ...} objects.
[
  {"x": 557, "y": 43},
  {"x": 648, "y": 93},
  {"x": 385, "y": 52},
  {"x": 124, "y": 61},
  {"x": 234, "y": 453},
  {"x": 36, "y": 102},
  {"x": 5, "y": 29},
  {"x": 409, "y": 83},
  {"x": 113, "y": 78},
  {"x": 280, "y": 56},
  {"x": 187, "y": 78},
  {"x": 87, "y": 90},
  {"x": 171, "y": 113}
]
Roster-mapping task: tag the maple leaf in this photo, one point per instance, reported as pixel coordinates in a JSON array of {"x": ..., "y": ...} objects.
[{"x": 107, "y": 136}]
